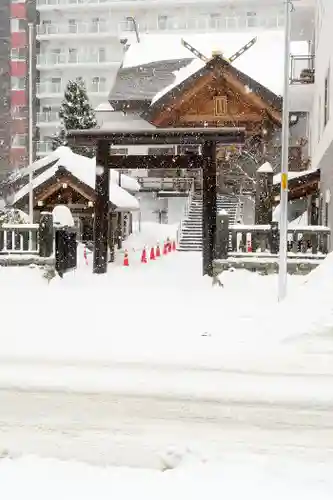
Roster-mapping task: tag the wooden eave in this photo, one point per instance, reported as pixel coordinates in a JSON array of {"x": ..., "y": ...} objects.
[
  {"x": 51, "y": 185},
  {"x": 300, "y": 187},
  {"x": 271, "y": 105}
]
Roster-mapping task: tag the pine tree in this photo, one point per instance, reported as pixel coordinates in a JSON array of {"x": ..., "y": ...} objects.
[{"x": 75, "y": 113}]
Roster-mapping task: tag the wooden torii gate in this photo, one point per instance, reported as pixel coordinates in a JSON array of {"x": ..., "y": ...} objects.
[{"x": 103, "y": 139}]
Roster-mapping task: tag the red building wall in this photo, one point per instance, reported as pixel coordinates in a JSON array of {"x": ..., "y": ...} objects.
[{"x": 19, "y": 69}]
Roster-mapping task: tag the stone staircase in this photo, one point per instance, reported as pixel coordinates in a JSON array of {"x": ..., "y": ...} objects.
[{"x": 191, "y": 235}]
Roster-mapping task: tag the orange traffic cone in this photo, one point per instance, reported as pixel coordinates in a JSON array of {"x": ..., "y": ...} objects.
[
  {"x": 85, "y": 256},
  {"x": 173, "y": 246},
  {"x": 249, "y": 245},
  {"x": 144, "y": 256},
  {"x": 152, "y": 254},
  {"x": 158, "y": 250},
  {"x": 126, "y": 261},
  {"x": 165, "y": 249}
]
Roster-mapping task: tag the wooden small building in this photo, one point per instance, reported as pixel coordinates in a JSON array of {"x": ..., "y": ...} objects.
[{"x": 69, "y": 179}]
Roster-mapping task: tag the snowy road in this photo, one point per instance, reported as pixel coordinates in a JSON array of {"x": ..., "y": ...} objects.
[{"x": 134, "y": 430}]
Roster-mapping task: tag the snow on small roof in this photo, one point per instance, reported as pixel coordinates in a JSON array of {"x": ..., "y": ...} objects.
[
  {"x": 266, "y": 168},
  {"x": 294, "y": 175},
  {"x": 125, "y": 121},
  {"x": 84, "y": 169},
  {"x": 264, "y": 62},
  {"x": 104, "y": 106}
]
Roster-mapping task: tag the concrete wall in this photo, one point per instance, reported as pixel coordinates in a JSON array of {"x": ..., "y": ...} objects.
[{"x": 321, "y": 133}]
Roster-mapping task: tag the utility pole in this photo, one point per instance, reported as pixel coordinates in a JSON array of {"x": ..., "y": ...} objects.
[
  {"x": 30, "y": 129},
  {"x": 282, "y": 279},
  {"x": 131, "y": 18}
]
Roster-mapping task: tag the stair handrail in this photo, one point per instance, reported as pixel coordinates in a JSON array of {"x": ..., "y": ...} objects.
[{"x": 186, "y": 209}]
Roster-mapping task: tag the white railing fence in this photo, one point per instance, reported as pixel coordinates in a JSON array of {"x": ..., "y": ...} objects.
[{"x": 19, "y": 239}]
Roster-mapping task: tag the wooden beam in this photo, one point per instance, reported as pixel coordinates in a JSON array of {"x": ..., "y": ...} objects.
[
  {"x": 209, "y": 118},
  {"x": 159, "y": 136},
  {"x": 209, "y": 200},
  {"x": 155, "y": 162},
  {"x": 101, "y": 219},
  {"x": 53, "y": 188},
  {"x": 249, "y": 96}
]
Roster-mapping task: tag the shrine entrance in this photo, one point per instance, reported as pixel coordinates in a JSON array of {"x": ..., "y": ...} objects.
[{"x": 207, "y": 138}]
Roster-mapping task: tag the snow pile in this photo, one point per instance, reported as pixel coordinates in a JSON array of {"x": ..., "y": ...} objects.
[
  {"x": 251, "y": 477},
  {"x": 149, "y": 234},
  {"x": 62, "y": 216}
]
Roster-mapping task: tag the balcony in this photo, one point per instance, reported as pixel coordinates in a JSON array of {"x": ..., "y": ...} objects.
[
  {"x": 43, "y": 148},
  {"x": 302, "y": 69},
  {"x": 58, "y": 30},
  {"x": 51, "y": 89},
  {"x": 302, "y": 77},
  {"x": 48, "y": 61},
  {"x": 47, "y": 118}
]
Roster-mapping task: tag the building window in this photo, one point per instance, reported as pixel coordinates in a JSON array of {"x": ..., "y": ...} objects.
[
  {"x": 188, "y": 149},
  {"x": 72, "y": 55},
  {"x": 157, "y": 151},
  {"x": 251, "y": 19},
  {"x": 220, "y": 106},
  {"x": 118, "y": 151},
  {"x": 102, "y": 55},
  {"x": 72, "y": 26},
  {"x": 19, "y": 141},
  {"x": 327, "y": 97},
  {"x": 95, "y": 23},
  {"x": 162, "y": 22},
  {"x": 98, "y": 84},
  {"x": 214, "y": 21},
  {"x": 231, "y": 22},
  {"x": 17, "y": 83},
  {"x": 17, "y": 25},
  {"x": 18, "y": 112},
  {"x": 18, "y": 54}
]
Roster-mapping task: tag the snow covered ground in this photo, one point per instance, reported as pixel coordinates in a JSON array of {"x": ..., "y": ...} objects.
[
  {"x": 115, "y": 369},
  {"x": 251, "y": 477}
]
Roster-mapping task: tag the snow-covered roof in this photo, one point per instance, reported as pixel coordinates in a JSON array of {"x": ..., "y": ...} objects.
[
  {"x": 118, "y": 120},
  {"x": 180, "y": 76},
  {"x": 84, "y": 169},
  {"x": 104, "y": 106},
  {"x": 294, "y": 175},
  {"x": 264, "y": 62}
]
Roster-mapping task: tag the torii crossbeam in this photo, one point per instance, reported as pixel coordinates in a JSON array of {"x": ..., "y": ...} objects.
[{"x": 103, "y": 139}]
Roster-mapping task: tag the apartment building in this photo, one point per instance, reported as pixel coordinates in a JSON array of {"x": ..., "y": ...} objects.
[
  {"x": 321, "y": 132},
  {"x": 87, "y": 38},
  {"x": 14, "y": 18},
  {"x": 83, "y": 38}
]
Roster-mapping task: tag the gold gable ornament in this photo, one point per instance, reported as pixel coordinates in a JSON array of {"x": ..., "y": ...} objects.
[{"x": 219, "y": 53}]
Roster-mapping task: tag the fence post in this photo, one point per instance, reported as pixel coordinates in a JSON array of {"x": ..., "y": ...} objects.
[
  {"x": 274, "y": 237},
  {"x": 264, "y": 194},
  {"x": 46, "y": 235},
  {"x": 222, "y": 235}
]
